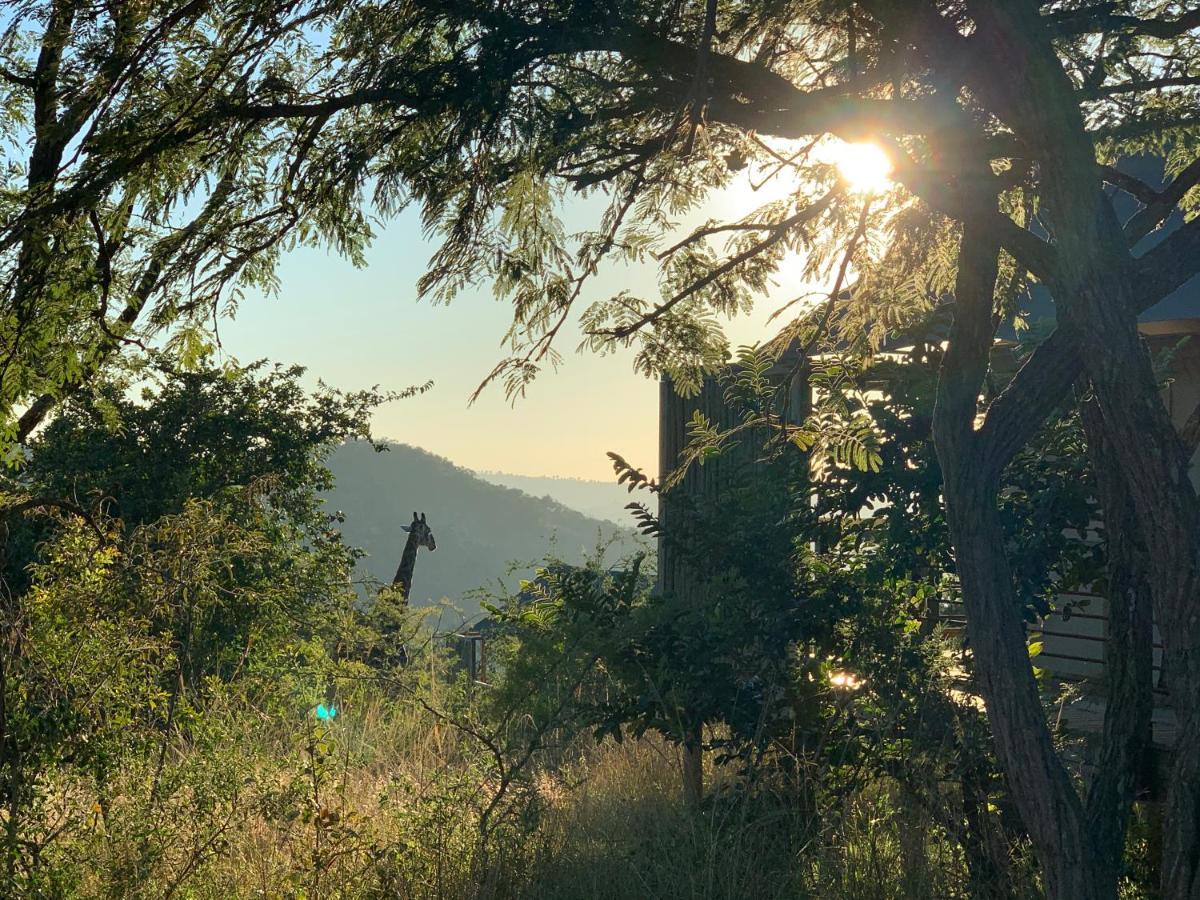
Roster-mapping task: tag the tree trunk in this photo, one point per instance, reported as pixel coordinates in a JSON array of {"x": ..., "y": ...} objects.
[
  {"x": 1041, "y": 786},
  {"x": 1128, "y": 654},
  {"x": 1097, "y": 305},
  {"x": 1181, "y": 825},
  {"x": 1050, "y": 808},
  {"x": 1154, "y": 468},
  {"x": 693, "y": 766}
]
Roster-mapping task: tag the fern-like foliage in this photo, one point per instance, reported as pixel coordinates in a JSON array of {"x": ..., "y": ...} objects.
[
  {"x": 646, "y": 522},
  {"x": 632, "y": 477}
]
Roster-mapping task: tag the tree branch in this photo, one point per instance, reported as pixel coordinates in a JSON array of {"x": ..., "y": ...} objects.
[
  {"x": 1135, "y": 187},
  {"x": 1048, "y": 373},
  {"x": 1019, "y": 410},
  {"x": 1035, "y": 254},
  {"x": 775, "y": 233},
  {"x": 964, "y": 365},
  {"x": 1167, "y": 267},
  {"x": 74, "y": 509},
  {"x": 1162, "y": 204},
  {"x": 160, "y": 256},
  {"x": 1098, "y": 18},
  {"x": 1130, "y": 87}
]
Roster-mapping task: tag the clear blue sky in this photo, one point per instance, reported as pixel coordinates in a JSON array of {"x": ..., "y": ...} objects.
[{"x": 355, "y": 328}]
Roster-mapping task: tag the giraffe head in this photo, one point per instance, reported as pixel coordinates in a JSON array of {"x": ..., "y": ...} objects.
[{"x": 420, "y": 529}]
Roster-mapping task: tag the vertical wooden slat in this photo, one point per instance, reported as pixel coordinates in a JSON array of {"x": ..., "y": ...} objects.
[{"x": 716, "y": 475}]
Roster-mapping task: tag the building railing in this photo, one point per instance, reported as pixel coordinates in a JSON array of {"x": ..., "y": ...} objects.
[{"x": 1073, "y": 647}]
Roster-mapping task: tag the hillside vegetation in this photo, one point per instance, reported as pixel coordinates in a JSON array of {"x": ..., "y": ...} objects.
[
  {"x": 482, "y": 529},
  {"x": 599, "y": 499}
]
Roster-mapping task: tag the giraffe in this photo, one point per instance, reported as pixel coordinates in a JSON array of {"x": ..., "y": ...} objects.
[{"x": 419, "y": 535}]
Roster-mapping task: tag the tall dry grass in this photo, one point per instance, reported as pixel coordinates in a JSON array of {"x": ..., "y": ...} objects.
[{"x": 387, "y": 802}]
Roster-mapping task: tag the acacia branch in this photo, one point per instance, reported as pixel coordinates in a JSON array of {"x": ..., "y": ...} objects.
[
  {"x": 1132, "y": 186},
  {"x": 115, "y": 333},
  {"x": 1035, "y": 254},
  {"x": 1149, "y": 84},
  {"x": 122, "y": 65},
  {"x": 1102, "y": 18},
  {"x": 1168, "y": 266},
  {"x": 1053, "y": 367},
  {"x": 775, "y": 233},
  {"x": 320, "y": 108},
  {"x": 1037, "y": 388},
  {"x": 25, "y": 81},
  {"x": 743, "y": 93},
  {"x": 1146, "y": 124},
  {"x": 696, "y": 105},
  {"x": 835, "y": 294},
  {"x": 711, "y": 230},
  {"x": 1162, "y": 204}
]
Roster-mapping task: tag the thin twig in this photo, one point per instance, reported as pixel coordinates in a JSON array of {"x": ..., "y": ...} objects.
[{"x": 776, "y": 233}]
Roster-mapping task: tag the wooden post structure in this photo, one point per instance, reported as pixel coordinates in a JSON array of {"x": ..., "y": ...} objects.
[{"x": 707, "y": 481}]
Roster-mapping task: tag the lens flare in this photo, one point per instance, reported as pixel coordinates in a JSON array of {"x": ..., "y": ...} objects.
[
  {"x": 865, "y": 167},
  {"x": 846, "y": 681}
]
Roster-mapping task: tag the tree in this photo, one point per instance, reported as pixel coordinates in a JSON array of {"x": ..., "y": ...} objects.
[
  {"x": 147, "y": 440},
  {"x": 250, "y": 440},
  {"x": 159, "y": 167},
  {"x": 1004, "y": 122},
  {"x": 197, "y": 558}
]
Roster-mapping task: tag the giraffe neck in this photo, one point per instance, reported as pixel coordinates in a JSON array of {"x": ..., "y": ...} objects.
[{"x": 408, "y": 561}]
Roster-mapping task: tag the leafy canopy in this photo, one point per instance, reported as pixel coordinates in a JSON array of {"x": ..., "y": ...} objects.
[
  {"x": 171, "y": 152},
  {"x": 156, "y": 167},
  {"x": 655, "y": 107}
]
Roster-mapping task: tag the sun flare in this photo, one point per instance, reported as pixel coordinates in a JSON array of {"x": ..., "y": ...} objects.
[{"x": 865, "y": 167}]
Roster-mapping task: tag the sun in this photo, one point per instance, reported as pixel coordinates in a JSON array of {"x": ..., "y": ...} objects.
[{"x": 865, "y": 167}]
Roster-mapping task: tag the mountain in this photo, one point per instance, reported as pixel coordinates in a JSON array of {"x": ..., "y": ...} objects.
[
  {"x": 481, "y": 529},
  {"x": 599, "y": 499}
]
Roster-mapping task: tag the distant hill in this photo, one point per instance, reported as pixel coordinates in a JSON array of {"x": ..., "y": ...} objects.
[
  {"x": 599, "y": 499},
  {"x": 480, "y": 528}
]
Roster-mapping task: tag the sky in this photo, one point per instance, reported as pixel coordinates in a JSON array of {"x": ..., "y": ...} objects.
[{"x": 358, "y": 327}]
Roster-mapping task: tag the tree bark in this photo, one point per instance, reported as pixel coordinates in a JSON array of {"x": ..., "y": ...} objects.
[
  {"x": 1143, "y": 451},
  {"x": 1094, "y": 287},
  {"x": 1153, "y": 465},
  {"x": 1129, "y": 670},
  {"x": 1041, "y": 786}
]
